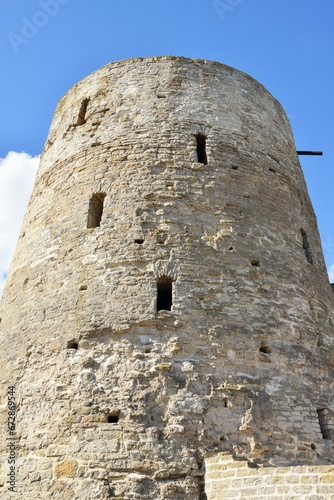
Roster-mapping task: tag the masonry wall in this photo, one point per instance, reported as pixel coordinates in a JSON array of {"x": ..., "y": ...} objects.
[
  {"x": 117, "y": 396},
  {"x": 226, "y": 478}
]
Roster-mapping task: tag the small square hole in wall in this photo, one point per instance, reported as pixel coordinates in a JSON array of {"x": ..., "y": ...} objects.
[
  {"x": 72, "y": 344},
  {"x": 83, "y": 288},
  {"x": 255, "y": 262},
  {"x": 113, "y": 418},
  {"x": 139, "y": 241},
  {"x": 265, "y": 348}
]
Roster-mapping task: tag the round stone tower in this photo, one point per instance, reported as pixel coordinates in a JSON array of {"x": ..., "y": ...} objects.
[{"x": 168, "y": 297}]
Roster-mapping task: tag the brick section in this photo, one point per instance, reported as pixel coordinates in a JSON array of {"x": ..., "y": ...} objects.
[{"x": 226, "y": 478}]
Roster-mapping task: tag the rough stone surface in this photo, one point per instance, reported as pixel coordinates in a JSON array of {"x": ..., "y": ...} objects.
[
  {"x": 227, "y": 479},
  {"x": 119, "y": 400}
]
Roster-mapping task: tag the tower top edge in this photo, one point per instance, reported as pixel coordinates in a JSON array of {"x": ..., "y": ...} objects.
[
  {"x": 168, "y": 59},
  {"x": 177, "y": 60}
]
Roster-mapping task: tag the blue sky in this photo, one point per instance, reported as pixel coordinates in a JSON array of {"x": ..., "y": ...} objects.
[{"x": 46, "y": 46}]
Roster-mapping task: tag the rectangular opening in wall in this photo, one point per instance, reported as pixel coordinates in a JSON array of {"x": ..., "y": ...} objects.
[
  {"x": 72, "y": 344},
  {"x": 201, "y": 149},
  {"x": 324, "y": 423},
  {"x": 164, "y": 293},
  {"x": 82, "y": 112},
  {"x": 95, "y": 210},
  {"x": 306, "y": 246},
  {"x": 113, "y": 417}
]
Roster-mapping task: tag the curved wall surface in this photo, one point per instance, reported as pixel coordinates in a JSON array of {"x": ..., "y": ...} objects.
[{"x": 168, "y": 296}]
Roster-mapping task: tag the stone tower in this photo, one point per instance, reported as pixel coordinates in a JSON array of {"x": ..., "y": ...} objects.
[{"x": 168, "y": 298}]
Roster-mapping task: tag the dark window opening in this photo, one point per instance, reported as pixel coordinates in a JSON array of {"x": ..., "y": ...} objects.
[
  {"x": 225, "y": 403},
  {"x": 95, "y": 210},
  {"x": 72, "y": 344},
  {"x": 113, "y": 418},
  {"x": 201, "y": 149},
  {"x": 83, "y": 288},
  {"x": 139, "y": 241},
  {"x": 164, "y": 293},
  {"x": 306, "y": 246},
  {"x": 324, "y": 423},
  {"x": 255, "y": 262},
  {"x": 82, "y": 113}
]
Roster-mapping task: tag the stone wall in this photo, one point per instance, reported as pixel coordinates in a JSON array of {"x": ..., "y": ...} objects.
[
  {"x": 177, "y": 178},
  {"x": 226, "y": 478}
]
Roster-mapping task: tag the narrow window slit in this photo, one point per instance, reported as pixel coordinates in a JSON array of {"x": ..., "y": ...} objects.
[
  {"x": 324, "y": 423},
  {"x": 82, "y": 113},
  {"x": 95, "y": 210},
  {"x": 164, "y": 293},
  {"x": 201, "y": 149},
  {"x": 306, "y": 246}
]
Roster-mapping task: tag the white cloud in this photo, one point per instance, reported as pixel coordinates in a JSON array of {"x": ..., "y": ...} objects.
[
  {"x": 331, "y": 273},
  {"x": 17, "y": 174}
]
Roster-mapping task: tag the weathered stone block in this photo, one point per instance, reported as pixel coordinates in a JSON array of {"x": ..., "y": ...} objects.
[{"x": 67, "y": 468}]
